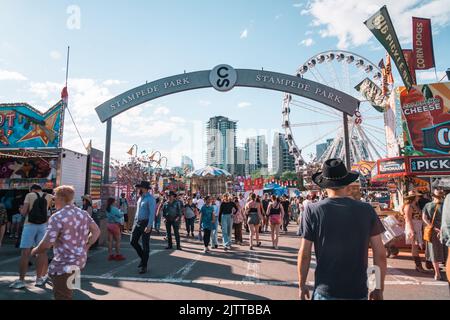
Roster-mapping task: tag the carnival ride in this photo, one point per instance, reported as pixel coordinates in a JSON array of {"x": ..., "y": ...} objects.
[{"x": 342, "y": 70}]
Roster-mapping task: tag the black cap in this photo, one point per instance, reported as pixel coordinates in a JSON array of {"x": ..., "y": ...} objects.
[
  {"x": 36, "y": 187},
  {"x": 144, "y": 184}
]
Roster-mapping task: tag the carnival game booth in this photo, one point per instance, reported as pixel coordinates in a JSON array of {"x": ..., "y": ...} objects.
[
  {"x": 209, "y": 181},
  {"x": 31, "y": 153}
]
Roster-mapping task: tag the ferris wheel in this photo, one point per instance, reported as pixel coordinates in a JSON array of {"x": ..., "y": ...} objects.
[{"x": 308, "y": 123}]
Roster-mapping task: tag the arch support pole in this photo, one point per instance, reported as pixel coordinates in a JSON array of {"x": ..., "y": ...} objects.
[
  {"x": 346, "y": 142},
  {"x": 107, "y": 151}
]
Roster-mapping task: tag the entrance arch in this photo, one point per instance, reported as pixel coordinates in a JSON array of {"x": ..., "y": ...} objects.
[{"x": 222, "y": 78}]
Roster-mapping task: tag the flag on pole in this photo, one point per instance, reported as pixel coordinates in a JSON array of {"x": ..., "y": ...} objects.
[
  {"x": 131, "y": 151},
  {"x": 423, "y": 44},
  {"x": 384, "y": 88},
  {"x": 380, "y": 24},
  {"x": 65, "y": 95},
  {"x": 389, "y": 76},
  {"x": 409, "y": 57}
]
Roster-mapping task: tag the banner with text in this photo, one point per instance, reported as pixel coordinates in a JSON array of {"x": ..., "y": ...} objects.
[
  {"x": 22, "y": 126},
  {"x": 423, "y": 44},
  {"x": 381, "y": 26},
  {"x": 426, "y": 119}
]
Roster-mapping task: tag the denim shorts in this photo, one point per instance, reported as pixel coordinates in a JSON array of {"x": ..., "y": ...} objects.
[
  {"x": 32, "y": 235},
  {"x": 17, "y": 218}
]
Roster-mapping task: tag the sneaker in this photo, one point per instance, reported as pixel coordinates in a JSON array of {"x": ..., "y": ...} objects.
[
  {"x": 111, "y": 257},
  {"x": 18, "y": 284},
  {"x": 119, "y": 257},
  {"x": 40, "y": 282},
  {"x": 226, "y": 248},
  {"x": 205, "y": 250},
  {"x": 216, "y": 246}
]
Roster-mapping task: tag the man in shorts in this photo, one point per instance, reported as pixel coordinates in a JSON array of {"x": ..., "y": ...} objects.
[{"x": 32, "y": 234}]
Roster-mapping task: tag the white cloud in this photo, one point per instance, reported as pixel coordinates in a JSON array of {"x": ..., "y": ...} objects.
[
  {"x": 44, "y": 89},
  {"x": 307, "y": 42},
  {"x": 205, "y": 103},
  {"x": 55, "y": 55},
  {"x": 111, "y": 82},
  {"x": 244, "y": 34},
  {"x": 84, "y": 95},
  {"x": 244, "y": 104},
  {"x": 177, "y": 120},
  {"x": 308, "y": 33},
  {"x": 344, "y": 19},
  {"x": 11, "y": 75},
  {"x": 161, "y": 111},
  {"x": 298, "y": 5}
]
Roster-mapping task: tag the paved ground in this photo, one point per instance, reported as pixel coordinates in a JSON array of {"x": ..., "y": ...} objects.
[{"x": 264, "y": 273}]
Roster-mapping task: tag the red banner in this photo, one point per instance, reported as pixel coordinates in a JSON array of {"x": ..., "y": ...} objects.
[
  {"x": 409, "y": 57},
  {"x": 388, "y": 70},
  {"x": 423, "y": 44}
]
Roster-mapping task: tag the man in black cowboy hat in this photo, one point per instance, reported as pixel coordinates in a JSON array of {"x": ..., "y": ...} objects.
[
  {"x": 172, "y": 213},
  {"x": 143, "y": 222},
  {"x": 341, "y": 229}
]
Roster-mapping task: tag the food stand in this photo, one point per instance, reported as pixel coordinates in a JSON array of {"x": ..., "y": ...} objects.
[{"x": 408, "y": 173}]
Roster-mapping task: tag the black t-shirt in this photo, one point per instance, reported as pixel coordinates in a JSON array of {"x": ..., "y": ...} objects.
[
  {"x": 422, "y": 202},
  {"x": 265, "y": 204},
  {"x": 227, "y": 207},
  {"x": 341, "y": 229},
  {"x": 285, "y": 204}
]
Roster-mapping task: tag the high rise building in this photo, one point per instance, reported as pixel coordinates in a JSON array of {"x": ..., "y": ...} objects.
[
  {"x": 221, "y": 143},
  {"x": 187, "y": 164},
  {"x": 282, "y": 161},
  {"x": 256, "y": 155},
  {"x": 240, "y": 163}
]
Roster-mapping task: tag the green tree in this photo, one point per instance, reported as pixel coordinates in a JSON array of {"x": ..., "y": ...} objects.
[{"x": 289, "y": 175}]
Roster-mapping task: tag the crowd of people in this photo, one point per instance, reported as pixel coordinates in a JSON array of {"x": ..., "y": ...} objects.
[
  {"x": 325, "y": 220},
  {"x": 47, "y": 220}
]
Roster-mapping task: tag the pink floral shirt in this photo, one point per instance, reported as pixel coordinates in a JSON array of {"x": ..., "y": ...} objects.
[{"x": 68, "y": 231}]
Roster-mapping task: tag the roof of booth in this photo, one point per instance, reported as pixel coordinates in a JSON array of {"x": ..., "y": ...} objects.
[{"x": 209, "y": 172}]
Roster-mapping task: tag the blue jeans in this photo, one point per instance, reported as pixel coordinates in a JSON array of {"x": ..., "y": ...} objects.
[
  {"x": 190, "y": 225},
  {"x": 157, "y": 222},
  {"x": 318, "y": 296},
  {"x": 214, "y": 241},
  {"x": 227, "y": 225},
  {"x": 137, "y": 233}
]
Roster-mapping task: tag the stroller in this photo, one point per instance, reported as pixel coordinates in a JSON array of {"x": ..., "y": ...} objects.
[{"x": 393, "y": 232}]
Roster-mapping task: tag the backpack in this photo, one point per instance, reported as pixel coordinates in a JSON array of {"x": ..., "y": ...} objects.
[{"x": 38, "y": 213}]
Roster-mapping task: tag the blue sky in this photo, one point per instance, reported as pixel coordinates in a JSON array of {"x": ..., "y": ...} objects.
[{"x": 118, "y": 45}]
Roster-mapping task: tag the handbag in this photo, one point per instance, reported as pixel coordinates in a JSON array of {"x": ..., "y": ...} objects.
[{"x": 428, "y": 230}]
